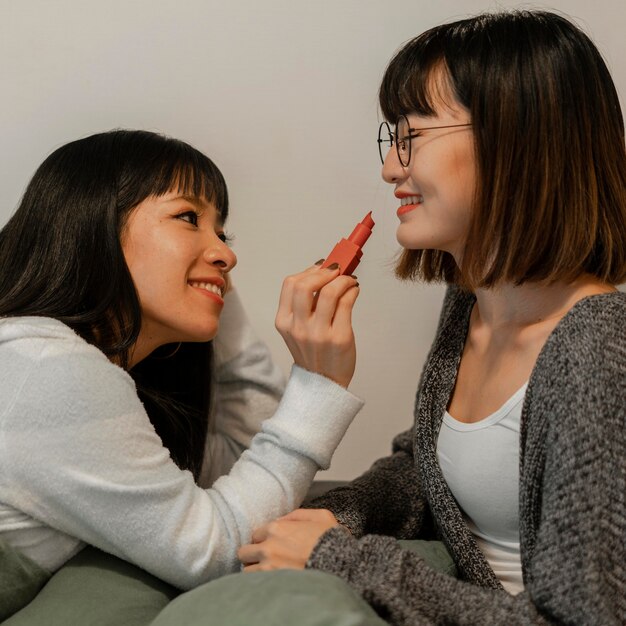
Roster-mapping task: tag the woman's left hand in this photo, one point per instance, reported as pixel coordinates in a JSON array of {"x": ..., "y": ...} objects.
[{"x": 287, "y": 542}]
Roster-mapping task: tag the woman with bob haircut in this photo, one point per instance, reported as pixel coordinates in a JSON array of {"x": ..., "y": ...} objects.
[
  {"x": 113, "y": 275},
  {"x": 506, "y": 149}
]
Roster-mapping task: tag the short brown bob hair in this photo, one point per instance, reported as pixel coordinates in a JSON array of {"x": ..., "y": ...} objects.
[{"x": 549, "y": 134}]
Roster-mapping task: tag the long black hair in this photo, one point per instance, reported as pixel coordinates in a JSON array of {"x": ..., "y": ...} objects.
[{"x": 61, "y": 257}]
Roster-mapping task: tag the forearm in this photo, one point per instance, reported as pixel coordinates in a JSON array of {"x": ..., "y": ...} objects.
[
  {"x": 122, "y": 492},
  {"x": 272, "y": 477},
  {"x": 400, "y": 586}
]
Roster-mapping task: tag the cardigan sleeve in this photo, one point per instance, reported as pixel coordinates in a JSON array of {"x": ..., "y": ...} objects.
[
  {"x": 572, "y": 517},
  {"x": 575, "y": 574},
  {"x": 405, "y": 591},
  {"x": 386, "y": 500}
]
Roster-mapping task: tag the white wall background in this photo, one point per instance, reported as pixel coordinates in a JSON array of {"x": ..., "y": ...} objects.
[{"x": 281, "y": 94}]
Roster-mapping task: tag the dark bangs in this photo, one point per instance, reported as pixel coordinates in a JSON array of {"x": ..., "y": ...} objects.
[
  {"x": 158, "y": 164},
  {"x": 410, "y": 81}
]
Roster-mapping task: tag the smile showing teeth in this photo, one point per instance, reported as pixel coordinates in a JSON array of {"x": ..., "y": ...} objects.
[
  {"x": 208, "y": 287},
  {"x": 412, "y": 200}
]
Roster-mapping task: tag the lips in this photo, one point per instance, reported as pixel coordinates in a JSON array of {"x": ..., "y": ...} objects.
[
  {"x": 211, "y": 289},
  {"x": 414, "y": 199},
  {"x": 408, "y": 203}
]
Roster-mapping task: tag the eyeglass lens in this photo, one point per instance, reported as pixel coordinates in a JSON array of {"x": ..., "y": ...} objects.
[
  {"x": 403, "y": 143},
  {"x": 403, "y": 140},
  {"x": 385, "y": 141}
]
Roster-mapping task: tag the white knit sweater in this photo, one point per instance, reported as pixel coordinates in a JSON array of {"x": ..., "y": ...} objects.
[{"x": 80, "y": 461}]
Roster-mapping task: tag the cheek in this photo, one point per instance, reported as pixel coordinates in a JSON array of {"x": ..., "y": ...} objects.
[
  {"x": 462, "y": 182},
  {"x": 141, "y": 261},
  {"x": 464, "y": 163},
  {"x": 154, "y": 265}
]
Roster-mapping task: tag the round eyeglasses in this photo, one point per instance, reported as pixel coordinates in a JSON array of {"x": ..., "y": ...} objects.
[{"x": 402, "y": 138}]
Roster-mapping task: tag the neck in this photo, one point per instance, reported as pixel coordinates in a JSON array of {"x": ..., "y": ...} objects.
[
  {"x": 138, "y": 352},
  {"x": 143, "y": 347},
  {"x": 510, "y": 307}
]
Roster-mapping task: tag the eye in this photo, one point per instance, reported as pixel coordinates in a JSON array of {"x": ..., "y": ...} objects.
[{"x": 188, "y": 216}]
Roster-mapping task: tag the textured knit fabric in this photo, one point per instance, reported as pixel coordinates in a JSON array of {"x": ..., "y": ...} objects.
[
  {"x": 572, "y": 487},
  {"x": 81, "y": 462}
]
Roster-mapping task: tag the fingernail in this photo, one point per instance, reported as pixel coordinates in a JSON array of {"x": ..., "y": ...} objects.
[
  {"x": 356, "y": 284},
  {"x": 353, "y": 276},
  {"x": 334, "y": 266},
  {"x": 319, "y": 262}
]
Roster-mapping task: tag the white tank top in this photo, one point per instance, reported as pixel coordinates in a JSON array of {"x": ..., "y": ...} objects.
[{"x": 480, "y": 463}]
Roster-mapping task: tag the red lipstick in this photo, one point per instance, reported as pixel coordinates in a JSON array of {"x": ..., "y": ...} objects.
[{"x": 347, "y": 253}]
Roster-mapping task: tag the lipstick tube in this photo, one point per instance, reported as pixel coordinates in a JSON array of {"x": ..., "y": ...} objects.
[{"x": 347, "y": 253}]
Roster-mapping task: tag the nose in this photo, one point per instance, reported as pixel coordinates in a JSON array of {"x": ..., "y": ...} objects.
[
  {"x": 218, "y": 254},
  {"x": 393, "y": 171}
]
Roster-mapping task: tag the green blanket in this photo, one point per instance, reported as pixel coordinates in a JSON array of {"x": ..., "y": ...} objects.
[
  {"x": 97, "y": 589},
  {"x": 20, "y": 580}
]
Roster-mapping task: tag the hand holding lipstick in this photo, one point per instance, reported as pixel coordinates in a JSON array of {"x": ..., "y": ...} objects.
[
  {"x": 315, "y": 320},
  {"x": 315, "y": 310}
]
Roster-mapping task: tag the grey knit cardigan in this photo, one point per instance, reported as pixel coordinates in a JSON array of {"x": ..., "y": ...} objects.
[{"x": 571, "y": 490}]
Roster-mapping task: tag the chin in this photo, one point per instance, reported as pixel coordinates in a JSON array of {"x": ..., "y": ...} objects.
[
  {"x": 198, "y": 335},
  {"x": 409, "y": 243},
  {"x": 206, "y": 337},
  {"x": 410, "y": 239}
]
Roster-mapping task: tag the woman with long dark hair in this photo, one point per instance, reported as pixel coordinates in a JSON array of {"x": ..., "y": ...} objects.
[
  {"x": 113, "y": 276},
  {"x": 504, "y": 144}
]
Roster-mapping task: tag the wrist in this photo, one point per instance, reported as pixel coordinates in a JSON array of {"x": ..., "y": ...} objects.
[{"x": 342, "y": 381}]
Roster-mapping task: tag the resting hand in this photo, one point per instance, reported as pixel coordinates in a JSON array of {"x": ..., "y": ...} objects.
[
  {"x": 286, "y": 543},
  {"x": 315, "y": 320}
]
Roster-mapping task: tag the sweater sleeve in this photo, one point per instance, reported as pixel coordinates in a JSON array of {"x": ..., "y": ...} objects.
[
  {"x": 248, "y": 388},
  {"x": 365, "y": 505},
  {"x": 403, "y": 590},
  {"x": 78, "y": 452}
]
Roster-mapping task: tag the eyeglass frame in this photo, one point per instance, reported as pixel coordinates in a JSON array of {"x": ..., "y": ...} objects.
[{"x": 406, "y": 139}]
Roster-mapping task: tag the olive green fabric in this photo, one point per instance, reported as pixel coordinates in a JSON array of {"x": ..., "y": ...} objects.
[
  {"x": 434, "y": 553},
  {"x": 279, "y": 598},
  {"x": 308, "y": 598},
  {"x": 96, "y": 589},
  {"x": 20, "y": 580}
]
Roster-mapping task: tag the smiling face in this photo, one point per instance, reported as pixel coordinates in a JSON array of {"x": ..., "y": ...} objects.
[
  {"x": 175, "y": 249},
  {"x": 436, "y": 190}
]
